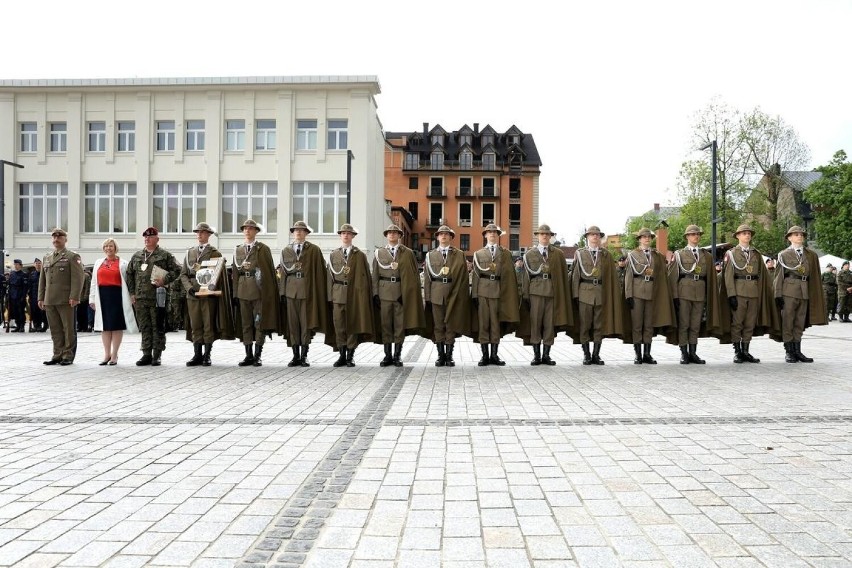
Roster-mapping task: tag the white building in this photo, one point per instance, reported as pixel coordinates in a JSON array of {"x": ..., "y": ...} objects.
[{"x": 110, "y": 157}]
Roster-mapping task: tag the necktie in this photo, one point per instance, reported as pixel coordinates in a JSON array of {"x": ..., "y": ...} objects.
[
  {"x": 799, "y": 253},
  {"x": 544, "y": 254},
  {"x": 492, "y": 251},
  {"x": 393, "y": 252},
  {"x": 648, "y": 255},
  {"x": 695, "y": 254},
  {"x": 444, "y": 252},
  {"x": 345, "y": 254},
  {"x": 248, "y": 249},
  {"x": 201, "y": 249},
  {"x": 298, "y": 249},
  {"x": 594, "y": 256}
]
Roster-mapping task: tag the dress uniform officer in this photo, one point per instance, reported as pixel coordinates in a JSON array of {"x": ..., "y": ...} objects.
[
  {"x": 303, "y": 292},
  {"x": 59, "y": 290},
  {"x": 148, "y": 294},
  {"x": 350, "y": 291},
  {"x": 798, "y": 293},
  {"x": 396, "y": 295},
  {"x": 494, "y": 293}
]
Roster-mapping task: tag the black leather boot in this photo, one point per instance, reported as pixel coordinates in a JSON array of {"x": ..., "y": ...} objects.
[
  {"x": 397, "y": 355},
  {"x": 747, "y": 356},
  {"x": 637, "y": 348},
  {"x": 536, "y": 355},
  {"x": 596, "y": 354},
  {"x": 797, "y": 347},
  {"x": 495, "y": 359},
  {"x": 350, "y": 357},
  {"x": 442, "y": 355},
  {"x": 146, "y": 358},
  {"x": 249, "y": 358},
  {"x": 205, "y": 359},
  {"x": 789, "y": 354},
  {"x": 545, "y": 356},
  {"x": 388, "y": 360},
  {"x": 341, "y": 359},
  {"x": 155, "y": 357},
  {"x": 486, "y": 357},
  {"x": 295, "y": 361},
  {"x": 646, "y": 357},
  {"x": 693, "y": 356},
  {"x": 684, "y": 355},
  {"x": 587, "y": 355},
  {"x": 449, "y": 359},
  {"x": 738, "y": 352},
  {"x": 258, "y": 351},
  {"x": 197, "y": 358},
  {"x": 303, "y": 356}
]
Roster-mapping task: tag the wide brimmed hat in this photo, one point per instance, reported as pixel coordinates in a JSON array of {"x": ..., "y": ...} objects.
[
  {"x": 151, "y": 232},
  {"x": 743, "y": 229},
  {"x": 391, "y": 228},
  {"x": 594, "y": 230},
  {"x": 347, "y": 228},
  {"x": 250, "y": 223},
  {"x": 796, "y": 229},
  {"x": 492, "y": 227},
  {"x": 445, "y": 229},
  {"x": 301, "y": 225},
  {"x": 644, "y": 232},
  {"x": 693, "y": 229},
  {"x": 58, "y": 232},
  {"x": 204, "y": 227},
  {"x": 544, "y": 230}
]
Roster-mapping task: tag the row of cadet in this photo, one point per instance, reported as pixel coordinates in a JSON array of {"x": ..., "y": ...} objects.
[{"x": 350, "y": 303}]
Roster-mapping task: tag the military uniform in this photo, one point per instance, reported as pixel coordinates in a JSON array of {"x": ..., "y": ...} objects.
[
  {"x": 844, "y": 296},
  {"x": 59, "y": 292},
  {"x": 18, "y": 287},
  {"x": 37, "y": 316},
  {"x": 177, "y": 304},
  {"x": 829, "y": 290},
  {"x": 149, "y": 299}
]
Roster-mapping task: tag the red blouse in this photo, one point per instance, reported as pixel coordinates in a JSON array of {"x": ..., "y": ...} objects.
[{"x": 109, "y": 273}]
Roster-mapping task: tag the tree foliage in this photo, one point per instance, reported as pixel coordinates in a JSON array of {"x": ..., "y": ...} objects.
[{"x": 831, "y": 200}]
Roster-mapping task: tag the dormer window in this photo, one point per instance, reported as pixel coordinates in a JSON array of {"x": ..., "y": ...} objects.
[
  {"x": 514, "y": 139},
  {"x": 412, "y": 161},
  {"x": 466, "y": 160},
  {"x": 465, "y": 139},
  {"x": 437, "y": 139},
  {"x": 487, "y": 139},
  {"x": 437, "y": 160},
  {"x": 489, "y": 161}
]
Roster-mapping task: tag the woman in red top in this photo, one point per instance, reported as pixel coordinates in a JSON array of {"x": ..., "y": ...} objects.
[{"x": 110, "y": 299}]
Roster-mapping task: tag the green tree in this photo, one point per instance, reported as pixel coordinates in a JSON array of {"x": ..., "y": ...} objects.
[{"x": 831, "y": 200}]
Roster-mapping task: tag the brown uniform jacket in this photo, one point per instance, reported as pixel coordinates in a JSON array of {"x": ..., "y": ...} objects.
[
  {"x": 223, "y": 327},
  {"x": 606, "y": 293},
  {"x": 788, "y": 282},
  {"x": 558, "y": 285},
  {"x": 500, "y": 283},
  {"x": 405, "y": 290},
  {"x": 350, "y": 283},
  {"x": 454, "y": 294},
  {"x": 757, "y": 286},
  {"x": 61, "y": 278},
  {"x": 304, "y": 278},
  {"x": 648, "y": 286},
  {"x": 254, "y": 278},
  {"x": 696, "y": 284}
]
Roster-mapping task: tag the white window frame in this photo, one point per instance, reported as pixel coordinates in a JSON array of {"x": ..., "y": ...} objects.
[
  {"x": 58, "y": 137},
  {"x": 465, "y": 139},
  {"x": 436, "y": 160},
  {"x": 495, "y": 192},
  {"x": 110, "y": 203},
  {"x": 125, "y": 137},
  {"x": 257, "y": 200},
  {"x": 486, "y": 219},
  {"x": 265, "y": 135},
  {"x": 468, "y": 220},
  {"x": 443, "y": 192},
  {"x": 489, "y": 161},
  {"x": 195, "y": 135},
  {"x": 96, "y": 137},
  {"x": 338, "y": 134},
  {"x": 177, "y": 207},
  {"x": 321, "y": 204},
  {"x": 412, "y": 161},
  {"x": 306, "y": 134},
  {"x": 29, "y": 137},
  {"x": 432, "y": 220},
  {"x": 235, "y": 135},
  {"x": 487, "y": 139},
  {"x": 42, "y": 206},
  {"x": 165, "y": 138},
  {"x": 437, "y": 139},
  {"x": 466, "y": 160}
]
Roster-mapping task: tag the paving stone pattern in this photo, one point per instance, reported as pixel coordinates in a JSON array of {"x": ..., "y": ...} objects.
[{"x": 518, "y": 466}]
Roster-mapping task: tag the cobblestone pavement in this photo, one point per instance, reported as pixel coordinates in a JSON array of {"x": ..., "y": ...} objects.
[{"x": 517, "y": 466}]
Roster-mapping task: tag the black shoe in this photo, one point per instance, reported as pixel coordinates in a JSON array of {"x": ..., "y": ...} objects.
[
  {"x": 536, "y": 361},
  {"x": 65, "y": 362},
  {"x": 145, "y": 360},
  {"x": 442, "y": 355},
  {"x": 637, "y": 348},
  {"x": 596, "y": 355},
  {"x": 486, "y": 358},
  {"x": 747, "y": 356},
  {"x": 197, "y": 358},
  {"x": 297, "y": 359},
  {"x": 587, "y": 354},
  {"x": 341, "y": 359},
  {"x": 350, "y": 354},
  {"x": 545, "y": 356},
  {"x": 303, "y": 356},
  {"x": 797, "y": 350},
  {"x": 646, "y": 356},
  {"x": 155, "y": 358},
  {"x": 258, "y": 351},
  {"x": 693, "y": 356},
  {"x": 789, "y": 355},
  {"x": 249, "y": 358},
  {"x": 397, "y": 355},
  {"x": 738, "y": 352},
  {"x": 52, "y": 362},
  {"x": 388, "y": 360},
  {"x": 684, "y": 355},
  {"x": 495, "y": 359},
  {"x": 205, "y": 358},
  {"x": 449, "y": 356}
]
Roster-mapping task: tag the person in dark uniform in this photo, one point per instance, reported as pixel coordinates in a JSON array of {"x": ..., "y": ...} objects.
[
  {"x": 798, "y": 294},
  {"x": 829, "y": 290},
  {"x": 397, "y": 295},
  {"x": 4, "y": 298},
  {"x": 59, "y": 291},
  {"x": 37, "y": 315},
  {"x": 18, "y": 288},
  {"x": 350, "y": 291}
]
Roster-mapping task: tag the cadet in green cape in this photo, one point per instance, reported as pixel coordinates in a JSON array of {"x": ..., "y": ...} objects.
[
  {"x": 829, "y": 290},
  {"x": 149, "y": 273},
  {"x": 798, "y": 293},
  {"x": 59, "y": 290}
]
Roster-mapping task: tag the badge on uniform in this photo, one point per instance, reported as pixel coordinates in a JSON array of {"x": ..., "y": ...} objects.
[
  {"x": 697, "y": 269},
  {"x": 649, "y": 272},
  {"x": 394, "y": 265},
  {"x": 144, "y": 266},
  {"x": 595, "y": 272},
  {"x": 445, "y": 270},
  {"x": 749, "y": 269}
]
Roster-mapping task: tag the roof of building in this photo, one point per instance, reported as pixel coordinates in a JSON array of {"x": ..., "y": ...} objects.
[
  {"x": 191, "y": 81},
  {"x": 800, "y": 181}
]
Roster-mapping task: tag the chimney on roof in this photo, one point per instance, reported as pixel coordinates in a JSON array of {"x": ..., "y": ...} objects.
[
  {"x": 476, "y": 129},
  {"x": 656, "y": 207},
  {"x": 425, "y": 132}
]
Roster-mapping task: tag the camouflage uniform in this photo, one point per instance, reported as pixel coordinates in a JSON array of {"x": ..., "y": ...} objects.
[
  {"x": 829, "y": 288},
  {"x": 844, "y": 281},
  {"x": 151, "y": 317}
]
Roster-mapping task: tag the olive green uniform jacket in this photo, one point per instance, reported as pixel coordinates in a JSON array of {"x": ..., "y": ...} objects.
[
  {"x": 768, "y": 318},
  {"x": 564, "y": 314},
  {"x": 223, "y": 327},
  {"x": 509, "y": 312},
  {"x": 270, "y": 314},
  {"x": 712, "y": 324},
  {"x": 411, "y": 295},
  {"x": 360, "y": 321},
  {"x": 613, "y": 296},
  {"x": 459, "y": 308}
]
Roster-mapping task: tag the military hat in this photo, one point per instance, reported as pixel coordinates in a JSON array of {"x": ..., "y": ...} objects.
[
  {"x": 845, "y": 263},
  {"x": 204, "y": 227},
  {"x": 250, "y": 223},
  {"x": 594, "y": 229},
  {"x": 150, "y": 232},
  {"x": 744, "y": 228},
  {"x": 795, "y": 229},
  {"x": 829, "y": 265},
  {"x": 644, "y": 232},
  {"x": 544, "y": 229},
  {"x": 492, "y": 227},
  {"x": 18, "y": 261},
  {"x": 58, "y": 232},
  {"x": 392, "y": 228},
  {"x": 36, "y": 259},
  {"x": 347, "y": 228},
  {"x": 693, "y": 229},
  {"x": 445, "y": 229},
  {"x": 301, "y": 225}
]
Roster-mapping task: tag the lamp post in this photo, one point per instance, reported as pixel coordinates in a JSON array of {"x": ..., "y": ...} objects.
[
  {"x": 713, "y": 220},
  {"x": 3, "y": 164},
  {"x": 349, "y": 158}
]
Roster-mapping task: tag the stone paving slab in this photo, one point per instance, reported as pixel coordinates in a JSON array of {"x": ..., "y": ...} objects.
[{"x": 620, "y": 465}]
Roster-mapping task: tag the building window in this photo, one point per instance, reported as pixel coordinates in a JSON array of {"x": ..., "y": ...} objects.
[
  {"x": 514, "y": 188},
  {"x": 321, "y": 204},
  {"x": 165, "y": 135},
  {"x": 464, "y": 242},
  {"x": 194, "y": 135},
  {"x": 487, "y": 139},
  {"x": 265, "y": 135},
  {"x": 42, "y": 206},
  {"x": 487, "y": 213},
  {"x": 514, "y": 242},
  {"x": 58, "y": 137},
  {"x": 412, "y": 161},
  {"x": 436, "y": 214},
  {"x": 436, "y": 187},
  {"x": 306, "y": 134},
  {"x": 489, "y": 161},
  {"x": 515, "y": 215},
  {"x": 126, "y": 136},
  {"x": 413, "y": 182},
  {"x": 235, "y": 135},
  {"x": 110, "y": 207},
  {"x": 257, "y": 200},
  {"x": 465, "y": 187},
  {"x": 437, "y": 161},
  {"x": 466, "y": 160},
  {"x": 412, "y": 208},
  {"x": 465, "y": 214},
  {"x": 514, "y": 139},
  {"x": 438, "y": 139},
  {"x": 338, "y": 134},
  {"x": 465, "y": 139},
  {"x": 489, "y": 187},
  {"x": 29, "y": 137},
  {"x": 179, "y": 206},
  {"x": 97, "y": 137}
]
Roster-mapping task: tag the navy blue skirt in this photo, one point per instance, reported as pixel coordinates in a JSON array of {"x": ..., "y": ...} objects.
[{"x": 112, "y": 311}]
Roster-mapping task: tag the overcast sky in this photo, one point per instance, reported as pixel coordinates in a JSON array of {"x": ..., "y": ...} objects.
[{"x": 607, "y": 88}]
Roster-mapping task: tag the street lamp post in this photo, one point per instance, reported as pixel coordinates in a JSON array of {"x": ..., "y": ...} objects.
[
  {"x": 349, "y": 158},
  {"x": 713, "y": 220},
  {"x": 3, "y": 164}
]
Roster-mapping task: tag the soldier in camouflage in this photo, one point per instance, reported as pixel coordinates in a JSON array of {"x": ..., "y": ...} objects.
[
  {"x": 177, "y": 303},
  {"x": 844, "y": 291},
  {"x": 148, "y": 294},
  {"x": 829, "y": 290}
]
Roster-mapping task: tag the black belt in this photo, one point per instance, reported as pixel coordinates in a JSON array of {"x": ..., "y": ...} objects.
[
  {"x": 646, "y": 278},
  {"x": 793, "y": 277},
  {"x": 341, "y": 282},
  {"x": 490, "y": 276},
  {"x": 442, "y": 280},
  {"x": 391, "y": 279},
  {"x": 594, "y": 281},
  {"x": 545, "y": 276},
  {"x": 247, "y": 273},
  {"x": 746, "y": 277},
  {"x": 295, "y": 275},
  {"x": 692, "y": 277}
]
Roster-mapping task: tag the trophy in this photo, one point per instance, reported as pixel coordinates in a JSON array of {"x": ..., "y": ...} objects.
[{"x": 207, "y": 276}]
